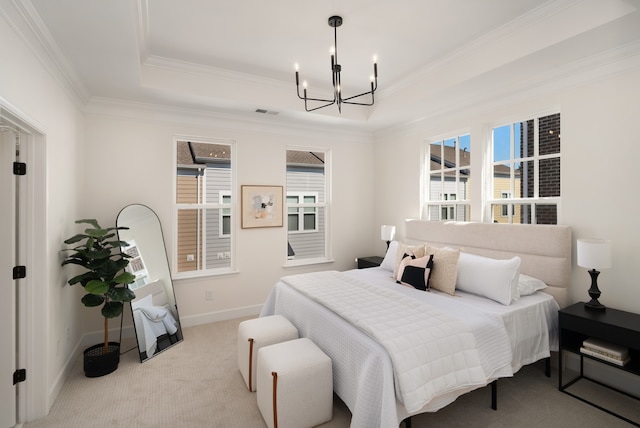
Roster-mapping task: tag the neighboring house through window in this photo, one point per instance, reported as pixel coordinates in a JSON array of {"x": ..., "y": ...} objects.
[
  {"x": 447, "y": 186},
  {"x": 526, "y": 171},
  {"x": 204, "y": 207},
  {"x": 307, "y": 204}
]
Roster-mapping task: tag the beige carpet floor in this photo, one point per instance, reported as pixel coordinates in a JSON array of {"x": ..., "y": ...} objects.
[{"x": 197, "y": 384}]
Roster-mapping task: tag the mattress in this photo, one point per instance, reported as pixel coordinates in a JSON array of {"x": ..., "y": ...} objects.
[{"x": 363, "y": 369}]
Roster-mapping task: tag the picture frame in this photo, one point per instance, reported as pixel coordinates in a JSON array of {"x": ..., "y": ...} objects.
[{"x": 261, "y": 206}]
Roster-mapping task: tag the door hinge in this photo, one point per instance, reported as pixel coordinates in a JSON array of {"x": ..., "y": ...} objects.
[
  {"x": 19, "y": 168},
  {"x": 19, "y": 272},
  {"x": 19, "y": 375}
]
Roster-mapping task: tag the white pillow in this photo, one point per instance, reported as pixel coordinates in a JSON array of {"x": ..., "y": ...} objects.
[
  {"x": 389, "y": 261},
  {"x": 528, "y": 285},
  {"x": 145, "y": 302},
  {"x": 492, "y": 278}
]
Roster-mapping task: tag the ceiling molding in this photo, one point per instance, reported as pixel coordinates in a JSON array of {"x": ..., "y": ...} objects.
[
  {"x": 33, "y": 31},
  {"x": 141, "y": 16},
  {"x": 610, "y": 63},
  {"x": 277, "y": 125},
  {"x": 506, "y": 32},
  {"x": 213, "y": 72}
]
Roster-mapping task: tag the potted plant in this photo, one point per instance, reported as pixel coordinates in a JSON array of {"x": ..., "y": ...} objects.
[{"x": 105, "y": 280}]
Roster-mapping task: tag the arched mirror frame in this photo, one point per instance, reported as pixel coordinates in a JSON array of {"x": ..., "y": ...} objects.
[{"x": 154, "y": 310}]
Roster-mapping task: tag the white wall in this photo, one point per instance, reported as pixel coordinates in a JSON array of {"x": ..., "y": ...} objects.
[
  {"x": 134, "y": 153},
  {"x": 600, "y": 150}
]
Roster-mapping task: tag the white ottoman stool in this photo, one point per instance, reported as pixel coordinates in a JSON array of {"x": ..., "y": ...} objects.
[
  {"x": 295, "y": 384},
  {"x": 255, "y": 333}
]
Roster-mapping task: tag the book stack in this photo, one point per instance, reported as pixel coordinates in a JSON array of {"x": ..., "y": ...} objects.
[{"x": 605, "y": 351}]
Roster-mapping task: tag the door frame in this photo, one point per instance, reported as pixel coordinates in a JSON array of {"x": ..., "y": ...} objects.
[{"x": 33, "y": 343}]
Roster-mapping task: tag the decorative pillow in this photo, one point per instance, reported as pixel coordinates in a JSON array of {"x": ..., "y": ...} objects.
[
  {"x": 444, "y": 271},
  {"x": 405, "y": 250},
  {"x": 415, "y": 272},
  {"x": 491, "y": 278},
  {"x": 528, "y": 285},
  {"x": 389, "y": 261}
]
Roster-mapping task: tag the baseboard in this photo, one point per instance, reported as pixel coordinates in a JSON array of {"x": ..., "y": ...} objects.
[
  {"x": 228, "y": 314},
  {"x": 59, "y": 381}
]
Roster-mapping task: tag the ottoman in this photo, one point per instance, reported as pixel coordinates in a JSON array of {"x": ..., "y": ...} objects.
[
  {"x": 295, "y": 384},
  {"x": 256, "y": 333}
]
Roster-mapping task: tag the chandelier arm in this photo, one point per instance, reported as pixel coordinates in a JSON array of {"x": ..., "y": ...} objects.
[
  {"x": 357, "y": 104},
  {"x": 320, "y": 100},
  {"x": 345, "y": 100},
  {"x": 319, "y": 107}
]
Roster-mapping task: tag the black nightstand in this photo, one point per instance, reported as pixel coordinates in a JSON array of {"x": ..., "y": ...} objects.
[
  {"x": 367, "y": 262},
  {"x": 622, "y": 328}
]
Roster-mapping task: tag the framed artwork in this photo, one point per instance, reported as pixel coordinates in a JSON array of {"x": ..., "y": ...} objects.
[{"x": 262, "y": 206}]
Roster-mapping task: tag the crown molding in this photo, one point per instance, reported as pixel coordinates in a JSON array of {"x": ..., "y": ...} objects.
[
  {"x": 28, "y": 25},
  {"x": 132, "y": 110},
  {"x": 620, "y": 60},
  {"x": 213, "y": 72},
  {"x": 511, "y": 30}
]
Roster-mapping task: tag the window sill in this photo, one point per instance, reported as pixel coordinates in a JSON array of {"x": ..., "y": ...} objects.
[
  {"x": 195, "y": 275},
  {"x": 307, "y": 262}
]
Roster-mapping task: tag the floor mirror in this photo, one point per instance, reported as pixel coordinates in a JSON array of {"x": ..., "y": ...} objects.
[{"x": 154, "y": 310}]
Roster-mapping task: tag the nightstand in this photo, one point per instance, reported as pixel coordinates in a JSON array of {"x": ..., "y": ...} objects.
[
  {"x": 576, "y": 323},
  {"x": 367, "y": 262}
]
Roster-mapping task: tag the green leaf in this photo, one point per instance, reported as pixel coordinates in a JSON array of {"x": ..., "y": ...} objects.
[
  {"x": 125, "y": 278},
  {"x": 77, "y": 238},
  {"x": 91, "y": 300},
  {"x": 121, "y": 294},
  {"x": 112, "y": 309},
  {"x": 97, "y": 287},
  {"x": 101, "y": 254},
  {"x": 96, "y": 233},
  {"x": 90, "y": 221},
  {"x": 84, "y": 278}
]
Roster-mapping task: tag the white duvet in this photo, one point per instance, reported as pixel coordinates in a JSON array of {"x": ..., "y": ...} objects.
[
  {"x": 433, "y": 353},
  {"x": 363, "y": 371}
]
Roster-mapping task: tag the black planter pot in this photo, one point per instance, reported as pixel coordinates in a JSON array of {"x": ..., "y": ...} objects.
[{"x": 97, "y": 363}]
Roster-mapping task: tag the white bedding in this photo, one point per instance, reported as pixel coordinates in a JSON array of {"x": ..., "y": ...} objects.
[
  {"x": 363, "y": 369},
  {"x": 433, "y": 350},
  {"x": 150, "y": 323}
]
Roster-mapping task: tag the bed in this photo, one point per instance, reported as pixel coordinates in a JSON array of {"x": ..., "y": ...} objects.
[
  {"x": 386, "y": 366},
  {"x": 152, "y": 316}
]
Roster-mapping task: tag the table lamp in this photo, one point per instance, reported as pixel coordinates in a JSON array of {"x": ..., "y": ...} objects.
[
  {"x": 386, "y": 233},
  {"x": 594, "y": 254}
]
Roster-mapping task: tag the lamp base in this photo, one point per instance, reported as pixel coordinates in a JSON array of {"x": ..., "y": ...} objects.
[
  {"x": 595, "y": 306},
  {"x": 594, "y": 293}
]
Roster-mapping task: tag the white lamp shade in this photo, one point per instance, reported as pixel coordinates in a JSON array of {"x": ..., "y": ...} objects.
[
  {"x": 387, "y": 232},
  {"x": 594, "y": 253}
]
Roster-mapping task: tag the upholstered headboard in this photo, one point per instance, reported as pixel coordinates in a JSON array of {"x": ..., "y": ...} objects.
[{"x": 545, "y": 250}]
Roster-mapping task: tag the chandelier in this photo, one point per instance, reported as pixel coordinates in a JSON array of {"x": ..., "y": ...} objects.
[{"x": 336, "y": 69}]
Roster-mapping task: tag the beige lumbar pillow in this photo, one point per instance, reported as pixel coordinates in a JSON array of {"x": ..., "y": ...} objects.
[{"x": 445, "y": 269}]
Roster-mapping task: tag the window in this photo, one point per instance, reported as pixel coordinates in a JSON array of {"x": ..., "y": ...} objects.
[
  {"x": 204, "y": 207},
  {"x": 447, "y": 186},
  {"x": 505, "y": 208},
  {"x": 307, "y": 206},
  {"x": 225, "y": 214},
  {"x": 526, "y": 171},
  {"x": 301, "y": 217}
]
